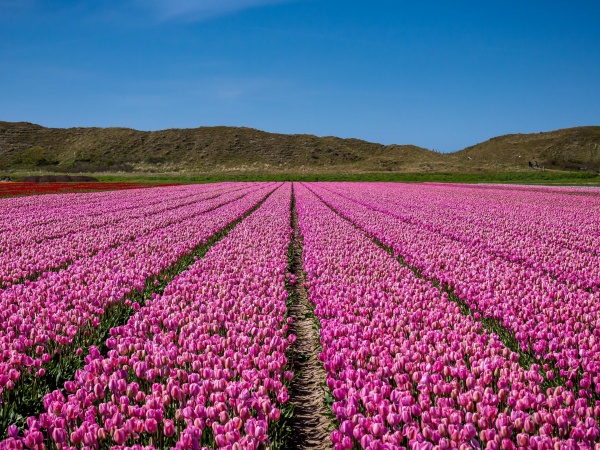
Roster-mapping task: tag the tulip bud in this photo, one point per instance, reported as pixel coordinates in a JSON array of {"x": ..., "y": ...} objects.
[
  {"x": 366, "y": 440},
  {"x": 336, "y": 437},
  {"x": 224, "y": 417},
  {"x": 347, "y": 443},
  {"x": 98, "y": 390},
  {"x": 169, "y": 428},
  {"x": 29, "y": 440},
  {"x": 119, "y": 436},
  {"x": 13, "y": 431},
  {"x": 76, "y": 438},
  {"x": 250, "y": 428},
  {"x": 245, "y": 414},
  {"x": 150, "y": 426},
  {"x": 275, "y": 414}
]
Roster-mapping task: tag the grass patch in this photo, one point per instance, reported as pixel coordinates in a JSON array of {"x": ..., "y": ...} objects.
[{"x": 534, "y": 177}]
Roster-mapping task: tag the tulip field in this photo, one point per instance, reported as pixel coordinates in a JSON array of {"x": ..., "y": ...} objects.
[
  {"x": 18, "y": 189},
  {"x": 445, "y": 316}
]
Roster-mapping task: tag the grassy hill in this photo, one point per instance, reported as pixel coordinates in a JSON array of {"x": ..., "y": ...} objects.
[
  {"x": 568, "y": 148},
  {"x": 205, "y": 149},
  {"x": 230, "y": 150}
]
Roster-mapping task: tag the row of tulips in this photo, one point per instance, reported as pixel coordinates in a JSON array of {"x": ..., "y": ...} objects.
[
  {"x": 552, "y": 324},
  {"x": 576, "y": 190},
  {"x": 550, "y": 231},
  {"x": 22, "y": 189},
  {"x": 42, "y": 321},
  {"x": 27, "y": 225},
  {"x": 111, "y": 229},
  {"x": 576, "y": 206},
  {"x": 573, "y": 201},
  {"x": 202, "y": 365},
  {"x": 34, "y": 211},
  {"x": 53, "y": 201},
  {"x": 406, "y": 368}
]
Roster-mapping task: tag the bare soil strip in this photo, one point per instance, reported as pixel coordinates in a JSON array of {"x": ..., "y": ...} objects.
[{"x": 310, "y": 427}]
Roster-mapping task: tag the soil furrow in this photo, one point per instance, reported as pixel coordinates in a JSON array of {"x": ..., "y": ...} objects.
[{"x": 311, "y": 425}]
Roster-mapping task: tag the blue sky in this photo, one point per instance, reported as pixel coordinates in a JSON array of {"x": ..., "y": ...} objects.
[{"x": 439, "y": 74}]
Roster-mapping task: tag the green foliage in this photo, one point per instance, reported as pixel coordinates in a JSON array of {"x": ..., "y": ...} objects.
[
  {"x": 508, "y": 177},
  {"x": 33, "y": 157}
]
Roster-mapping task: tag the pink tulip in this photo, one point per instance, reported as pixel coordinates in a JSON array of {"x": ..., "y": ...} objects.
[
  {"x": 336, "y": 437},
  {"x": 151, "y": 374},
  {"x": 419, "y": 331},
  {"x": 150, "y": 426},
  {"x": 169, "y": 428}
]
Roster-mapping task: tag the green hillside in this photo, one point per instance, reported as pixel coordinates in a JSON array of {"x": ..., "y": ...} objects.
[{"x": 230, "y": 150}]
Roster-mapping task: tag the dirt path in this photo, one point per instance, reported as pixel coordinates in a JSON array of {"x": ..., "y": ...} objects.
[{"x": 309, "y": 430}]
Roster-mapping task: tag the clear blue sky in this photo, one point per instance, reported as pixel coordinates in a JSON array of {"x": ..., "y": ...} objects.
[{"x": 439, "y": 74}]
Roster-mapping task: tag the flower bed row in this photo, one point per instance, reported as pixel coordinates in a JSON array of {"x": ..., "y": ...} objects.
[
  {"x": 36, "y": 210},
  {"x": 563, "y": 216},
  {"x": 34, "y": 189},
  {"x": 203, "y": 364},
  {"x": 109, "y": 230},
  {"x": 28, "y": 224},
  {"x": 42, "y": 321},
  {"x": 406, "y": 368},
  {"x": 551, "y": 232},
  {"x": 549, "y": 322}
]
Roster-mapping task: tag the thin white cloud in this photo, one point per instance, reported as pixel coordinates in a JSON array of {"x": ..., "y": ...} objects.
[{"x": 202, "y": 9}]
